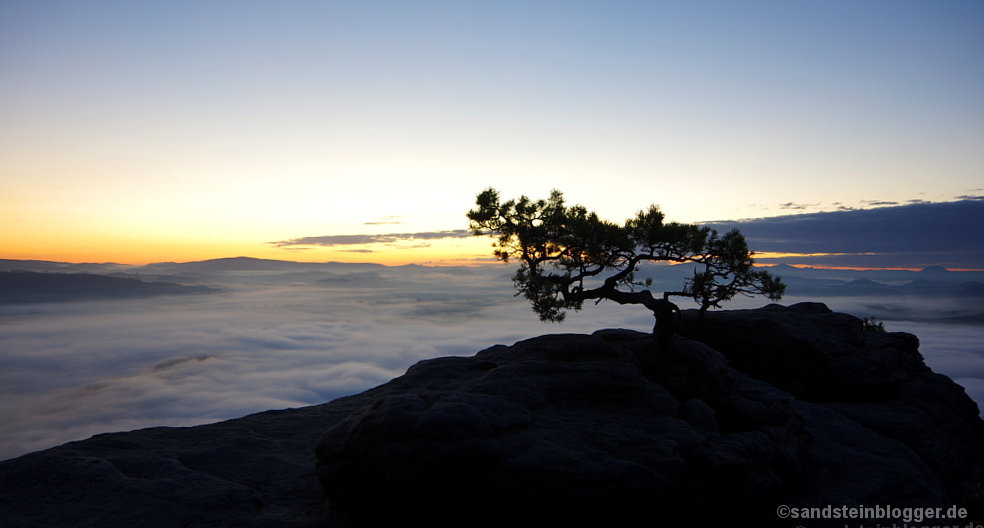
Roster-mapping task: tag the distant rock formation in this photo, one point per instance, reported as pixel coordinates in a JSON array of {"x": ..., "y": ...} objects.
[
  {"x": 792, "y": 406},
  {"x": 20, "y": 287}
]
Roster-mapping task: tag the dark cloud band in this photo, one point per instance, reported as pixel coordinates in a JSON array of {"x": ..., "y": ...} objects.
[
  {"x": 913, "y": 235},
  {"x": 352, "y": 240}
]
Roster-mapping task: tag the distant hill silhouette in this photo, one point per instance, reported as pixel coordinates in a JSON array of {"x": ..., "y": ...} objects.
[
  {"x": 240, "y": 264},
  {"x": 62, "y": 267},
  {"x": 19, "y": 287}
]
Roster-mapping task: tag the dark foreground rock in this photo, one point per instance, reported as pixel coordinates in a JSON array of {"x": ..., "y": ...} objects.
[
  {"x": 788, "y": 406},
  {"x": 256, "y": 471},
  {"x": 876, "y": 379},
  {"x": 603, "y": 429}
]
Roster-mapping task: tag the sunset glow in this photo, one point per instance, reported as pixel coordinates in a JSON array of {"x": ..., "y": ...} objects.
[{"x": 176, "y": 131}]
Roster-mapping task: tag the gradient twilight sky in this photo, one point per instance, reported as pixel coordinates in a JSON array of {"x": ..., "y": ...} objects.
[{"x": 138, "y": 132}]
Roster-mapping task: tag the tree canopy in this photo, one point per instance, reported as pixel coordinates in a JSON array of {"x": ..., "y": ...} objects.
[{"x": 567, "y": 255}]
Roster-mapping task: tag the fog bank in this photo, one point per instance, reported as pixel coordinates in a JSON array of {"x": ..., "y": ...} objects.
[{"x": 291, "y": 339}]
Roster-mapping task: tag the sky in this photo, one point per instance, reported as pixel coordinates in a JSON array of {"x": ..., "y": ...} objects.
[{"x": 140, "y": 132}]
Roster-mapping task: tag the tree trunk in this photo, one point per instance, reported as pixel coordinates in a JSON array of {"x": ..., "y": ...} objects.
[
  {"x": 700, "y": 317},
  {"x": 667, "y": 320}
]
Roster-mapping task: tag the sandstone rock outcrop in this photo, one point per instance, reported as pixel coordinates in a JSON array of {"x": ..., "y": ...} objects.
[
  {"x": 782, "y": 405},
  {"x": 584, "y": 430},
  {"x": 251, "y": 472},
  {"x": 878, "y": 380}
]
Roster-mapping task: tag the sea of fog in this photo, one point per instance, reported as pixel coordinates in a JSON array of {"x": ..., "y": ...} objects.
[{"x": 274, "y": 341}]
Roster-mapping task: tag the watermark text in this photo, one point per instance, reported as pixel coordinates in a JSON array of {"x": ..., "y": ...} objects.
[{"x": 908, "y": 515}]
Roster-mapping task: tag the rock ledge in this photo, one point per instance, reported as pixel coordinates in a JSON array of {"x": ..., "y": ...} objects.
[{"x": 782, "y": 405}]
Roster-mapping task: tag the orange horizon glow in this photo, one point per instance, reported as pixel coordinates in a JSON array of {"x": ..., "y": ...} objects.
[
  {"x": 133, "y": 252},
  {"x": 437, "y": 257},
  {"x": 780, "y": 254},
  {"x": 386, "y": 259},
  {"x": 466, "y": 252}
]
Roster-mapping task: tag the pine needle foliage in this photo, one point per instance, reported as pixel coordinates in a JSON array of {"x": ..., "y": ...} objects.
[{"x": 568, "y": 255}]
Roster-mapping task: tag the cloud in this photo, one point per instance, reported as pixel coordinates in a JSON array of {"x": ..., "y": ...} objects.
[
  {"x": 957, "y": 354},
  {"x": 913, "y": 235},
  {"x": 791, "y": 205},
  {"x": 350, "y": 240},
  {"x": 386, "y": 222},
  {"x": 72, "y": 370}
]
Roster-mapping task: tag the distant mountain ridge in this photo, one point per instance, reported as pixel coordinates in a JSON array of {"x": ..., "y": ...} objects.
[
  {"x": 936, "y": 273},
  {"x": 21, "y": 287},
  {"x": 934, "y": 281},
  {"x": 221, "y": 265},
  {"x": 234, "y": 264}
]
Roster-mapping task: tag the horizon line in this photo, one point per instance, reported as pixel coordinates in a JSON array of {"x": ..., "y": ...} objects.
[{"x": 472, "y": 263}]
